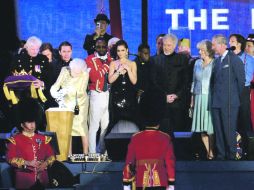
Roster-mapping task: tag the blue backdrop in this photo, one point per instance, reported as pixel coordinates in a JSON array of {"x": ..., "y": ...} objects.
[{"x": 60, "y": 20}]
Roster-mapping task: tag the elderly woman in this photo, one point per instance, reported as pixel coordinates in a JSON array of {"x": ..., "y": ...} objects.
[
  {"x": 202, "y": 121},
  {"x": 70, "y": 88},
  {"x": 123, "y": 77}
]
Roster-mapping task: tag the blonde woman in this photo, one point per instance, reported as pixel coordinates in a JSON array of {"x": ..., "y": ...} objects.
[
  {"x": 201, "y": 100},
  {"x": 71, "y": 87}
]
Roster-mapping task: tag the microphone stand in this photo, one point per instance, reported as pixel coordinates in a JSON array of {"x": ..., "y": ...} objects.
[{"x": 229, "y": 96}]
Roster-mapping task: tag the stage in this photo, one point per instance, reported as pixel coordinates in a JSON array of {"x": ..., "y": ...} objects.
[{"x": 190, "y": 175}]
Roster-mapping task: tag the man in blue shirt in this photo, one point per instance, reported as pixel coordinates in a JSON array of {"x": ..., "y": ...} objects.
[{"x": 244, "y": 120}]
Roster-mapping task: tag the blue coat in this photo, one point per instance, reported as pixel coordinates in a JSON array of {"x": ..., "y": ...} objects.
[
  {"x": 221, "y": 95},
  {"x": 201, "y": 78}
]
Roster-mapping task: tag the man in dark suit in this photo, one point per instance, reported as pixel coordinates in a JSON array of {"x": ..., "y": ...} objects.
[
  {"x": 64, "y": 59},
  {"x": 227, "y": 84},
  {"x": 169, "y": 73}
]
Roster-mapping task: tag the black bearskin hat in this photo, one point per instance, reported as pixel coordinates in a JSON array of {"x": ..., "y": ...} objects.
[
  {"x": 153, "y": 106},
  {"x": 28, "y": 110}
]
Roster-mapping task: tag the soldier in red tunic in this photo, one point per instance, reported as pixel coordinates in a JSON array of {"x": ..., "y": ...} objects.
[
  {"x": 150, "y": 161},
  {"x": 28, "y": 152}
]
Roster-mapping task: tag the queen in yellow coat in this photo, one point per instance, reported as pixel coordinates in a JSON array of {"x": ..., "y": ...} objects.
[{"x": 70, "y": 92}]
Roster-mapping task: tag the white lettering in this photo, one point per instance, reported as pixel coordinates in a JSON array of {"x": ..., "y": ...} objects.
[
  {"x": 32, "y": 24},
  {"x": 202, "y": 19},
  {"x": 216, "y": 19},
  {"x": 252, "y": 18},
  {"x": 174, "y": 13}
]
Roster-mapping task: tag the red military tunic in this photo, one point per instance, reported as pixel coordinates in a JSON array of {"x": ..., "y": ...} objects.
[
  {"x": 151, "y": 153},
  {"x": 99, "y": 69},
  {"x": 23, "y": 148}
]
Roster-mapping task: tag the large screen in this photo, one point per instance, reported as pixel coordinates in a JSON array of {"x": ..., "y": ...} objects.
[{"x": 60, "y": 20}]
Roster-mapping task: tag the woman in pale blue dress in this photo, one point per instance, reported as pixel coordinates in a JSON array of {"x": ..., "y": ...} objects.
[{"x": 201, "y": 100}]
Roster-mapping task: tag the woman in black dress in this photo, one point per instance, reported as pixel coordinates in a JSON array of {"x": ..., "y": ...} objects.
[{"x": 122, "y": 77}]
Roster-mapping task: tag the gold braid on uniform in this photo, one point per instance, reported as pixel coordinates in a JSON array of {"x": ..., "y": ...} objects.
[
  {"x": 10, "y": 95},
  {"x": 50, "y": 160},
  {"x": 19, "y": 162},
  {"x": 12, "y": 140},
  {"x": 47, "y": 139}
]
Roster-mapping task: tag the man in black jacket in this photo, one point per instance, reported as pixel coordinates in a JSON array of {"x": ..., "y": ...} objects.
[
  {"x": 65, "y": 52},
  {"x": 101, "y": 21},
  {"x": 30, "y": 62},
  {"x": 169, "y": 72}
]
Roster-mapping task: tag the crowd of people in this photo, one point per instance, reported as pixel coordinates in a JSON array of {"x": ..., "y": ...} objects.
[{"x": 106, "y": 91}]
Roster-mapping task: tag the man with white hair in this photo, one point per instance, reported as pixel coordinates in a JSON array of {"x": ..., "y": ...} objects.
[
  {"x": 30, "y": 62},
  {"x": 169, "y": 73}
]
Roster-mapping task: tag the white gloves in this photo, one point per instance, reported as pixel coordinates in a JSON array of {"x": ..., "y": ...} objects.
[
  {"x": 171, "y": 187},
  {"x": 63, "y": 92},
  {"x": 59, "y": 96},
  {"x": 127, "y": 187}
]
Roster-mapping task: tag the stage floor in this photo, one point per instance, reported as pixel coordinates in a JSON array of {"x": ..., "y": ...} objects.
[{"x": 190, "y": 175}]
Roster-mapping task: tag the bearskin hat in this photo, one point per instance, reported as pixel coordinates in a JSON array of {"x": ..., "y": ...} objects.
[
  {"x": 153, "y": 106},
  {"x": 28, "y": 110}
]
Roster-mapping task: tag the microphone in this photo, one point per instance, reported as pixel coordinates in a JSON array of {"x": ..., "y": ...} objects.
[{"x": 232, "y": 48}]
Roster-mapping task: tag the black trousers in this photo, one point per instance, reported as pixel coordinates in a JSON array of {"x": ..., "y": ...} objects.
[{"x": 175, "y": 120}]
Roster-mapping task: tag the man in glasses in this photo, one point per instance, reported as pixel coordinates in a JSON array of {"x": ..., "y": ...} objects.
[{"x": 99, "y": 94}]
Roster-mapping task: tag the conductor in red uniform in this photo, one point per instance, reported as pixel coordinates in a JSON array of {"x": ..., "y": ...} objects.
[
  {"x": 150, "y": 161},
  {"x": 28, "y": 152}
]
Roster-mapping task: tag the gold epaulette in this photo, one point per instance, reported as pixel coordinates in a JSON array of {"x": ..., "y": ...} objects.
[
  {"x": 12, "y": 140},
  {"x": 50, "y": 160},
  {"x": 19, "y": 162},
  {"x": 47, "y": 139}
]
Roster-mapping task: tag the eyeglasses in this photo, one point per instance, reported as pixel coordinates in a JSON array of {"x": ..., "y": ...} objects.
[{"x": 102, "y": 47}]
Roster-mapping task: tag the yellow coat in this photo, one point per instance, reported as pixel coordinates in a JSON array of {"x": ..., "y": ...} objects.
[{"x": 76, "y": 86}]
